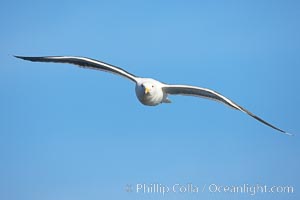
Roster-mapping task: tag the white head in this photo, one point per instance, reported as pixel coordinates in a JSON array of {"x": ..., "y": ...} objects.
[
  {"x": 149, "y": 88},
  {"x": 149, "y": 91}
]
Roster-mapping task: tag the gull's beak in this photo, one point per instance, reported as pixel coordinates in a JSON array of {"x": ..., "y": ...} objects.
[{"x": 147, "y": 90}]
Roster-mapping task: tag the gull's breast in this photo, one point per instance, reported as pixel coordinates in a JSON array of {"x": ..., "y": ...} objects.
[{"x": 148, "y": 99}]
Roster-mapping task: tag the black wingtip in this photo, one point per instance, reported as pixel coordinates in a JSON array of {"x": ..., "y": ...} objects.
[
  {"x": 20, "y": 57},
  {"x": 282, "y": 131},
  {"x": 32, "y": 59}
]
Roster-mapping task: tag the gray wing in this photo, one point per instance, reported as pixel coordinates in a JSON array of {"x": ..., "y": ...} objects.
[
  {"x": 210, "y": 94},
  {"x": 83, "y": 62}
]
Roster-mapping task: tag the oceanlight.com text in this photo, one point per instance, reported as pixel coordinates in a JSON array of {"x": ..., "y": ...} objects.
[{"x": 191, "y": 188}]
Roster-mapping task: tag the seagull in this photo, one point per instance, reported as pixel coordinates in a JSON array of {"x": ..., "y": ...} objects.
[{"x": 149, "y": 92}]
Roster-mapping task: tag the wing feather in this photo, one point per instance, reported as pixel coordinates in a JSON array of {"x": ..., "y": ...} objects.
[
  {"x": 84, "y": 63},
  {"x": 213, "y": 95}
]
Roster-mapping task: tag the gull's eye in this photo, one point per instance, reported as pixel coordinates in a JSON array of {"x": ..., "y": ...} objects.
[{"x": 153, "y": 86}]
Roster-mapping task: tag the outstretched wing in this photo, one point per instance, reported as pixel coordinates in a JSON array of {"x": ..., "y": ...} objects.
[
  {"x": 83, "y": 62},
  {"x": 210, "y": 94}
]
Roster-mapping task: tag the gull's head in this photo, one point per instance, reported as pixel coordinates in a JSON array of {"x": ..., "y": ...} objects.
[
  {"x": 148, "y": 88},
  {"x": 149, "y": 91}
]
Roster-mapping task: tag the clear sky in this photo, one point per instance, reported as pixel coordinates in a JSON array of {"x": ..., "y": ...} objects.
[{"x": 72, "y": 133}]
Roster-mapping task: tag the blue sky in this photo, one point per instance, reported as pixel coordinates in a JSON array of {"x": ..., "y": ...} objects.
[{"x": 71, "y": 133}]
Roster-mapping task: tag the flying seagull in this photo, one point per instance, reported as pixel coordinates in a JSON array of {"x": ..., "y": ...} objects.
[{"x": 150, "y": 92}]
